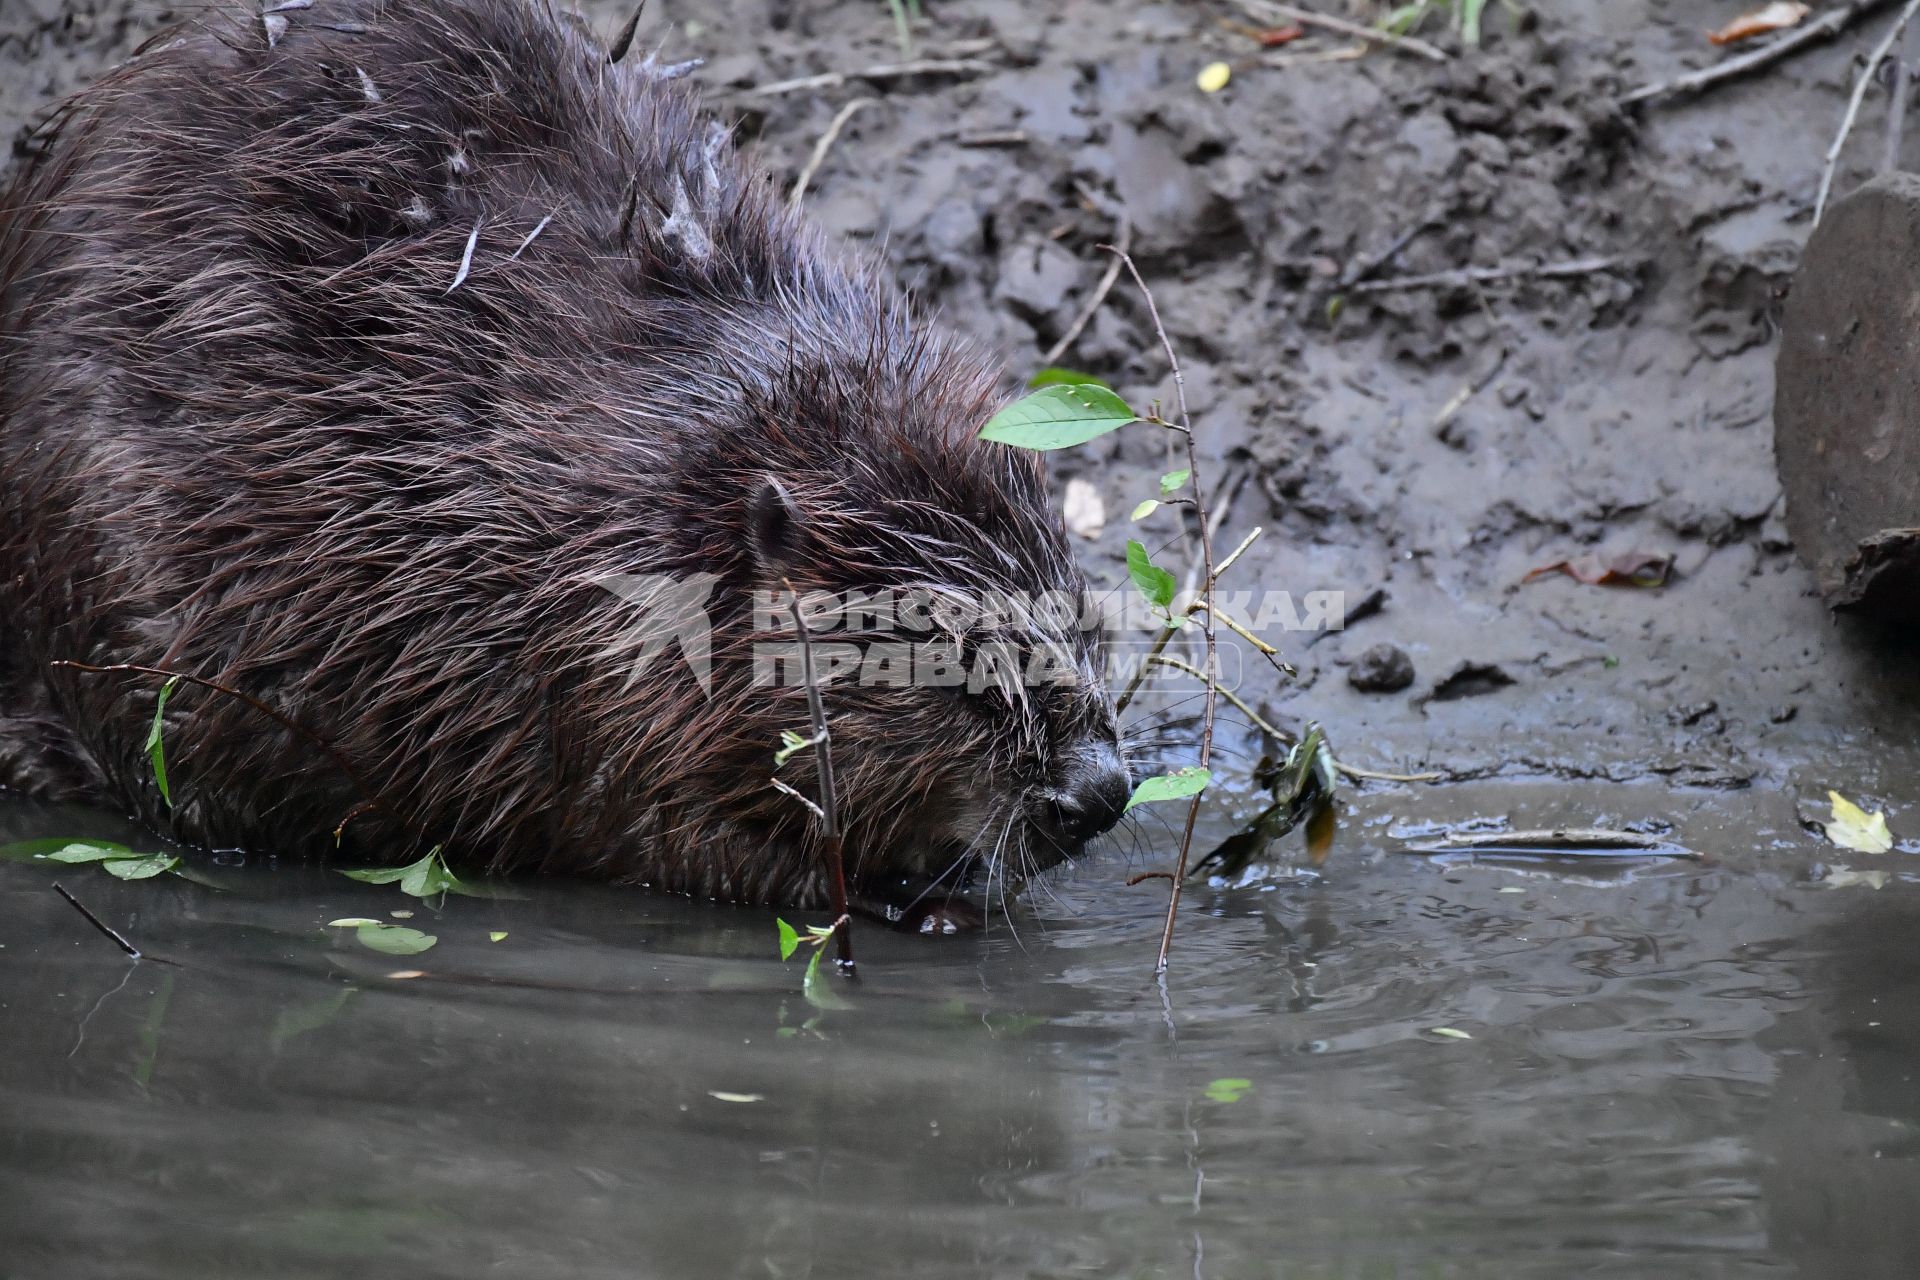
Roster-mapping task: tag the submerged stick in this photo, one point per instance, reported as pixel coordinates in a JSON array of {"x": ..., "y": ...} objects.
[{"x": 97, "y": 922}]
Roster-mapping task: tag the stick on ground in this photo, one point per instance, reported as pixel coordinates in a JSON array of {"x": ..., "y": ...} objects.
[
  {"x": 1859, "y": 95},
  {"x": 825, "y": 145},
  {"x": 1485, "y": 275},
  {"x": 1123, "y": 240},
  {"x": 1823, "y": 27},
  {"x": 881, "y": 71},
  {"x": 1271, "y": 12}
]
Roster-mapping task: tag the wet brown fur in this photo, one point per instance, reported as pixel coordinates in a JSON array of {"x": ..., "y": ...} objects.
[{"x": 251, "y": 429}]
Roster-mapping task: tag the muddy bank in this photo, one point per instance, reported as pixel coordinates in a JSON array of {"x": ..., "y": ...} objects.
[{"x": 1624, "y": 408}]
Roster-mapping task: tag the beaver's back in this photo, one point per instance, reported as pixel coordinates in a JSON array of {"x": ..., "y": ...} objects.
[{"x": 343, "y": 348}]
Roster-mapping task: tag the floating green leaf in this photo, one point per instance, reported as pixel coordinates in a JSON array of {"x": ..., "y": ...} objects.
[
  {"x": 1059, "y": 417},
  {"x": 426, "y": 878},
  {"x": 1171, "y": 786},
  {"x": 39, "y": 850},
  {"x": 1231, "y": 1089},
  {"x": 393, "y": 939},
  {"x": 789, "y": 939},
  {"x": 1174, "y": 480},
  {"x": 1054, "y": 376},
  {"x": 353, "y": 922},
  {"x": 90, "y": 851},
  {"x": 1449, "y": 1033},
  {"x": 1155, "y": 583},
  {"x": 1144, "y": 510},
  {"x": 141, "y": 868},
  {"x": 496, "y": 935},
  {"x": 155, "y": 752}
]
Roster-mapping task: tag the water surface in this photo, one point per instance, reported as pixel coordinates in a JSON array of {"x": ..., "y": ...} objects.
[{"x": 1690, "y": 1070}]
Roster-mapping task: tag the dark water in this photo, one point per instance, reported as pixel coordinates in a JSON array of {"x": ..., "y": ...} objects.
[{"x": 1698, "y": 1070}]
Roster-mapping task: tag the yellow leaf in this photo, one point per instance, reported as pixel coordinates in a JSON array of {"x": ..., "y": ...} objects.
[
  {"x": 1451, "y": 1033},
  {"x": 724, "y": 1096},
  {"x": 1854, "y": 828},
  {"x": 1213, "y": 77}
]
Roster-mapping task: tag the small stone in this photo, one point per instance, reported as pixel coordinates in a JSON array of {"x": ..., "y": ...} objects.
[{"x": 1385, "y": 668}]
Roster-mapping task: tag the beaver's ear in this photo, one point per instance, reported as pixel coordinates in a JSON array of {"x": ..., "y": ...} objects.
[{"x": 773, "y": 521}]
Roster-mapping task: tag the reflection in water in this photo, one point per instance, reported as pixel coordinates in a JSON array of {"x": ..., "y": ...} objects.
[{"x": 1699, "y": 1070}]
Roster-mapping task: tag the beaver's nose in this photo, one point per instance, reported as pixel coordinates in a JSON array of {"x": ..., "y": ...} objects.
[{"x": 1093, "y": 794}]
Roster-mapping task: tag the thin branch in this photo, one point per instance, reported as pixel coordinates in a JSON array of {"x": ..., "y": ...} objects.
[
  {"x": 97, "y": 922},
  {"x": 1826, "y": 25},
  {"x": 1355, "y": 771},
  {"x": 825, "y": 145},
  {"x": 1206, "y": 553},
  {"x": 880, "y": 71},
  {"x": 1166, "y": 633},
  {"x": 1483, "y": 275},
  {"x": 1859, "y": 95},
  {"x": 799, "y": 795},
  {"x": 1270, "y": 12},
  {"x": 829, "y": 807},
  {"x": 1259, "y": 721},
  {"x": 1267, "y": 651},
  {"x": 1123, "y": 240},
  {"x": 371, "y": 794},
  {"x": 1473, "y": 387}
]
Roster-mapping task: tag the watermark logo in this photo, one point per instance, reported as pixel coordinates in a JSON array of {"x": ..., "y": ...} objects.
[
  {"x": 922, "y": 638},
  {"x": 668, "y": 610}
]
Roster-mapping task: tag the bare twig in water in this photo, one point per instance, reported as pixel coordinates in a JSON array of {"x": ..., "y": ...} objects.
[
  {"x": 829, "y": 807},
  {"x": 1826, "y": 25},
  {"x": 1865, "y": 78},
  {"x": 97, "y": 922},
  {"x": 825, "y": 145},
  {"x": 372, "y": 794},
  {"x": 1272, "y": 13},
  {"x": 1208, "y": 577},
  {"x": 880, "y": 71},
  {"x": 1123, "y": 241},
  {"x": 1485, "y": 275}
]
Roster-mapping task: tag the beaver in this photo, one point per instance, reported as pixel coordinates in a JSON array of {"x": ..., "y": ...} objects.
[{"x": 349, "y": 350}]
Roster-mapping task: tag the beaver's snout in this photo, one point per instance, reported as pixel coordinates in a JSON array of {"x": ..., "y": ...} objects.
[{"x": 1091, "y": 795}]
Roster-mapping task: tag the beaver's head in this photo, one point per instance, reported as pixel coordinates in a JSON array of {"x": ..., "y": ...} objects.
[{"x": 958, "y": 649}]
